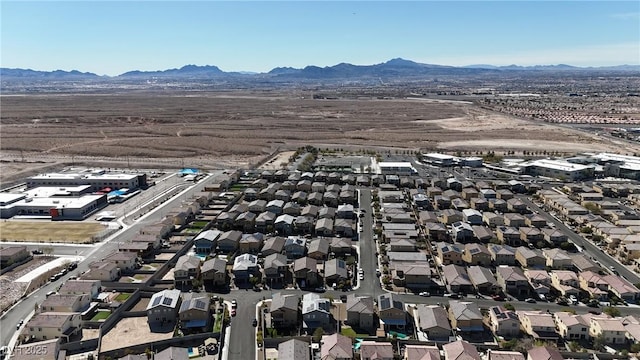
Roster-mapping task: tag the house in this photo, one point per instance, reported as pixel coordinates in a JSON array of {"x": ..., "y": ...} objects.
[
  {"x": 245, "y": 266},
  {"x": 483, "y": 280},
  {"x": 66, "y": 303},
  {"x": 318, "y": 248},
  {"x": 282, "y": 195},
  {"x": 411, "y": 275},
  {"x": 330, "y": 198},
  {"x": 324, "y": 227},
  {"x": 294, "y": 349},
  {"x": 544, "y": 353},
  {"x": 53, "y": 325},
  {"x": 509, "y": 235},
  {"x": 360, "y": 312},
  {"x": 457, "y": 279},
  {"x": 449, "y": 254},
  {"x": 125, "y": 261},
  {"x": 284, "y": 310},
  {"x": 152, "y": 241},
  {"x": 540, "y": 325},
  {"x": 341, "y": 246},
  {"x": 275, "y": 206},
  {"x": 504, "y": 322},
  {"x": 186, "y": 270},
  {"x": 492, "y": 219},
  {"x": 391, "y": 311},
  {"x": 557, "y": 258},
  {"x": 622, "y": 288},
  {"x": 535, "y": 220},
  {"x": 476, "y": 254},
  {"x": 257, "y": 206},
  {"x": 465, "y": 316},
  {"x": 26, "y": 351},
  {"x": 514, "y": 220},
  {"x": 229, "y": 241},
  {"x": 336, "y": 347},
  {"x": 581, "y": 262},
  {"x": 421, "y": 352},
  {"x": 483, "y": 233},
  {"x": 502, "y": 254},
  {"x": 572, "y": 327},
  {"x": 539, "y": 280},
  {"x": 612, "y": 330},
  {"x": 275, "y": 268},
  {"x": 292, "y": 207},
  {"x": 273, "y": 245},
  {"x": 326, "y": 212},
  {"x": 303, "y": 225},
  {"x": 284, "y": 224},
  {"x": 554, "y": 236},
  {"x": 449, "y": 216},
  {"x": 512, "y": 280},
  {"x": 206, "y": 241},
  {"x": 214, "y": 272},
  {"x": 265, "y": 222},
  {"x": 531, "y": 235},
  {"x": 373, "y": 350},
  {"x": 462, "y": 232},
  {"x": 295, "y": 247},
  {"x": 530, "y": 258},
  {"x": 460, "y": 350},
  {"x": 194, "y": 311},
  {"x": 345, "y": 211},
  {"x": 310, "y": 210},
  {"x": 436, "y": 231},
  {"x": 335, "y": 271},
  {"x": 103, "y": 271},
  {"x": 433, "y": 321},
  {"x": 504, "y": 355},
  {"x": 402, "y": 244},
  {"x": 517, "y": 206},
  {"x": 163, "y": 307},
  {"x": 316, "y": 312},
  {"x": 250, "y": 243},
  {"x": 170, "y": 353},
  {"x": 566, "y": 282},
  {"x": 344, "y": 227},
  {"x": 305, "y": 270},
  {"x": 79, "y": 287},
  {"x": 10, "y": 255},
  {"x": 472, "y": 216},
  {"x": 594, "y": 284}
]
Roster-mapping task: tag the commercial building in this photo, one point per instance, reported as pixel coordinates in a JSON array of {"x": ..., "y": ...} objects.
[
  {"x": 438, "y": 159},
  {"x": 97, "y": 179},
  {"x": 399, "y": 168},
  {"x": 558, "y": 169}
]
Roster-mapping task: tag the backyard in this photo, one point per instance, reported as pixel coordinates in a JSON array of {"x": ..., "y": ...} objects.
[{"x": 101, "y": 315}]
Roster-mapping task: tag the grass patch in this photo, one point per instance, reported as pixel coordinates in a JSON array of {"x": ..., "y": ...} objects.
[
  {"x": 101, "y": 315},
  {"x": 238, "y": 187},
  {"x": 348, "y": 332},
  {"x": 66, "y": 232},
  {"x": 217, "y": 326},
  {"x": 198, "y": 224},
  {"x": 139, "y": 277},
  {"x": 122, "y": 297}
]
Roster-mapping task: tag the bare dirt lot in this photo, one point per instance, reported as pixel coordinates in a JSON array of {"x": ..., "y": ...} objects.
[
  {"x": 129, "y": 332},
  {"x": 48, "y": 231},
  {"x": 225, "y": 129}
]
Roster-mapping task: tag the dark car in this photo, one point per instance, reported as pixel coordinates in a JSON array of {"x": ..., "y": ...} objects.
[
  {"x": 73, "y": 265},
  {"x": 37, "y": 252},
  {"x": 254, "y": 323}
]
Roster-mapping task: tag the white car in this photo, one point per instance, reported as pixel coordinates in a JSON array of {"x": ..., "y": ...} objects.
[
  {"x": 361, "y": 277},
  {"x": 360, "y": 271},
  {"x": 425, "y": 294}
]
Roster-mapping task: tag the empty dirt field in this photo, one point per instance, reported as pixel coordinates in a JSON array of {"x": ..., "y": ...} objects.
[
  {"x": 49, "y": 231},
  {"x": 227, "y": 128}
]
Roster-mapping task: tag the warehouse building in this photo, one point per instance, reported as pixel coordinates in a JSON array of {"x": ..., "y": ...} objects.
[
  {"x": 558, "y": 169},
  {"x": 96, "y": 179}
]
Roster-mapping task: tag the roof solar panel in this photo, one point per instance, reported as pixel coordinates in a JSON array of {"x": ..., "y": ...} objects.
[
  {"x": 156, "y": 301},
  {"x": 166, "y": 301},
  {"x": 200, "y": 304}
]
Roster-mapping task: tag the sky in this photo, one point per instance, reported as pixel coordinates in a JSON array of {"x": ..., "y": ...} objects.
[{"x": 112, "y": 37}]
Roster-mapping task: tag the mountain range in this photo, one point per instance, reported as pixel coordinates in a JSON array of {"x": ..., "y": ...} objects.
[{"x": 393, "y": 68}]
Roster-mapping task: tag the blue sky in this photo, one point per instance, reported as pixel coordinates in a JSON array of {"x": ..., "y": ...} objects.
[{"x": 111, "y": 37}]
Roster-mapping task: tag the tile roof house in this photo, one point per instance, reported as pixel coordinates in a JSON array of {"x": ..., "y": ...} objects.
[
  {"x": 538, "y": 324},
  {"x": 413, "y": 276},
  {"x": 284, "y": 310},
  {"x": 265, "y": 221},
  {"x": 544, "y": 353},
  {"x": 502, "y": 254},
  {"x": 318, "y": 248},
  {"x": 244, "y": 266},
  {"x": 316, "y": 312},
  {"x": 476, "y": 254},
  {"x": 284, "y": 224},
  {"x": 504, "y": 322},
  {"x": 194, "y": 311},
  {"x": 273, "y": 245},
  {"x": 360, "y": 312},
  {"x": 275, "y": 267},
  {"x": 539, "y": 280},
  {"x": 566, "y": 282},
  {"x": 572, "y": 327},
  {"x": 335, "y": 270},
  {"x": 594, "y": 284},
  {"x": 421, "y": 352},
  {"x": 457, "y": 279},
  {"x": 163, "y": 307},
  {"x": 66, "y": 303},
  {"x": 465, "y": 316},
  {"x": 460, "y": 350},
  {"x": 581, "y": 262},
  {"x": 557, "y": 258},
  {"x": 530, "y": 258},
  {"x": 449, "y": 254},
  {"x": 373, "y": 350},
  {"x": 612, "y": 330},
  {"x": 228, "y": 241},
  {"x": 295, "y": 247},
  {"x": 512, "y": 280},
  {"x": 433, "y": 321},
  {"x": 102, "y": 270},
  {"x": 483, "y": 280},
  {"x": 214, "y": 271},
  {"x": 305, "y": 270},
  {"x": 250, "y": 243},
  {"x": 336, "y": 347},
  {"x": 52, "y": 325},
  {"x": 171, "y": 353},
  {"x": 391, "y": 310},
  {"x": 294, "y": 349},
  {"x": 77, "y": 287},
  {"x": 504, "y": 355},
  {"x": 186, "y": 270},
  {"x": 206, "y": 241},
  {"x": 622, "y": 288}
]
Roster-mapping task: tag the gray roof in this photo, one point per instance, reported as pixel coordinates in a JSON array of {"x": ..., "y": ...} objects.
[
  {"x": 456, "y": 275},
  {"x": 464, "y": 310},
  {"x": 275, "y": 260},
  {"x": 294, "y": 349},
  {"x": 166, "y": 298},
  {"x": 360, "y": 304},
  {"x": 244, "y": 262},
  {"x": 274, "y": 244},
  {"x": 318, "y": 245},
  {"x": 335, "y": 267},
  {"x": 305, "y": 263},
  {"x": 187, "y": 262},
  {"x": 214, "y": 264},
  {"x": 210, "y": 235},
  {"x": 433, "y": 316},
  {"x": 388, "y": 301},
  {"x": 195, "y": 301},
  {"x": 280, "y": 301},
  {"x": 172, "y": 353},
  {"x": 481, "y": 275}
]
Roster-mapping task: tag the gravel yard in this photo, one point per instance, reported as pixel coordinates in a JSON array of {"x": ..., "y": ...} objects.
[{"x": 11, "y": 291}]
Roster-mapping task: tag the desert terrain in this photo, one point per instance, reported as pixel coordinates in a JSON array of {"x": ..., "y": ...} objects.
[{"x": 217, "y": 130}]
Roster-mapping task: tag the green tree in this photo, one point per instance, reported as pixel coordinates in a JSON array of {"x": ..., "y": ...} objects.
[
  {"x": 611, "y": 311},
  {"x": 635, "y": 348},
  {"x": 599, "y": 342},
  {"x": 317, "y": 334},
  {"x": 586, "y": 230},
  {"x": 509, "y": 306}
]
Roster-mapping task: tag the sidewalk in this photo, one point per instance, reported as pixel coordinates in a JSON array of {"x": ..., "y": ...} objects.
[
  {"x": 227, "y": 334},
  {"x": 48, "y": 266}
]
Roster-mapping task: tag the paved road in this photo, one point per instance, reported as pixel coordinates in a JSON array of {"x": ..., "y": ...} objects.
[
  {"x": 595, "y": 252},
  {"x": 9, "y": 320},
  {"x": 370, "y": 285}
]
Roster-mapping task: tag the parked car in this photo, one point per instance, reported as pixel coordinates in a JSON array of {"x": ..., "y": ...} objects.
[
  {"x": 50, "y": 293},
  {"x": 19, "y": 324},
  {"x": 234, "y": 303},
  {"x": 73, "y": 265},
  {"x": 37, "y": 252},
  {"x": 319, "y": 289},
  {"x": 530, "y": 300},
  {"x": 233, "y": 312},
  {"x": 425, "y": 294},
  {"x": 254, "y": 323},
  {"x": 361, "y": 276}
]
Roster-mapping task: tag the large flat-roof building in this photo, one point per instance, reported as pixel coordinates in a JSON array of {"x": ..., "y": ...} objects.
[
  {"x": 438, "y": 159},
  {"x": 559, "y": 169},
  {"x": 399, "y": 168},
  {"x": 55, "y": 204},
  {"x": 97, "y": 179}
]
